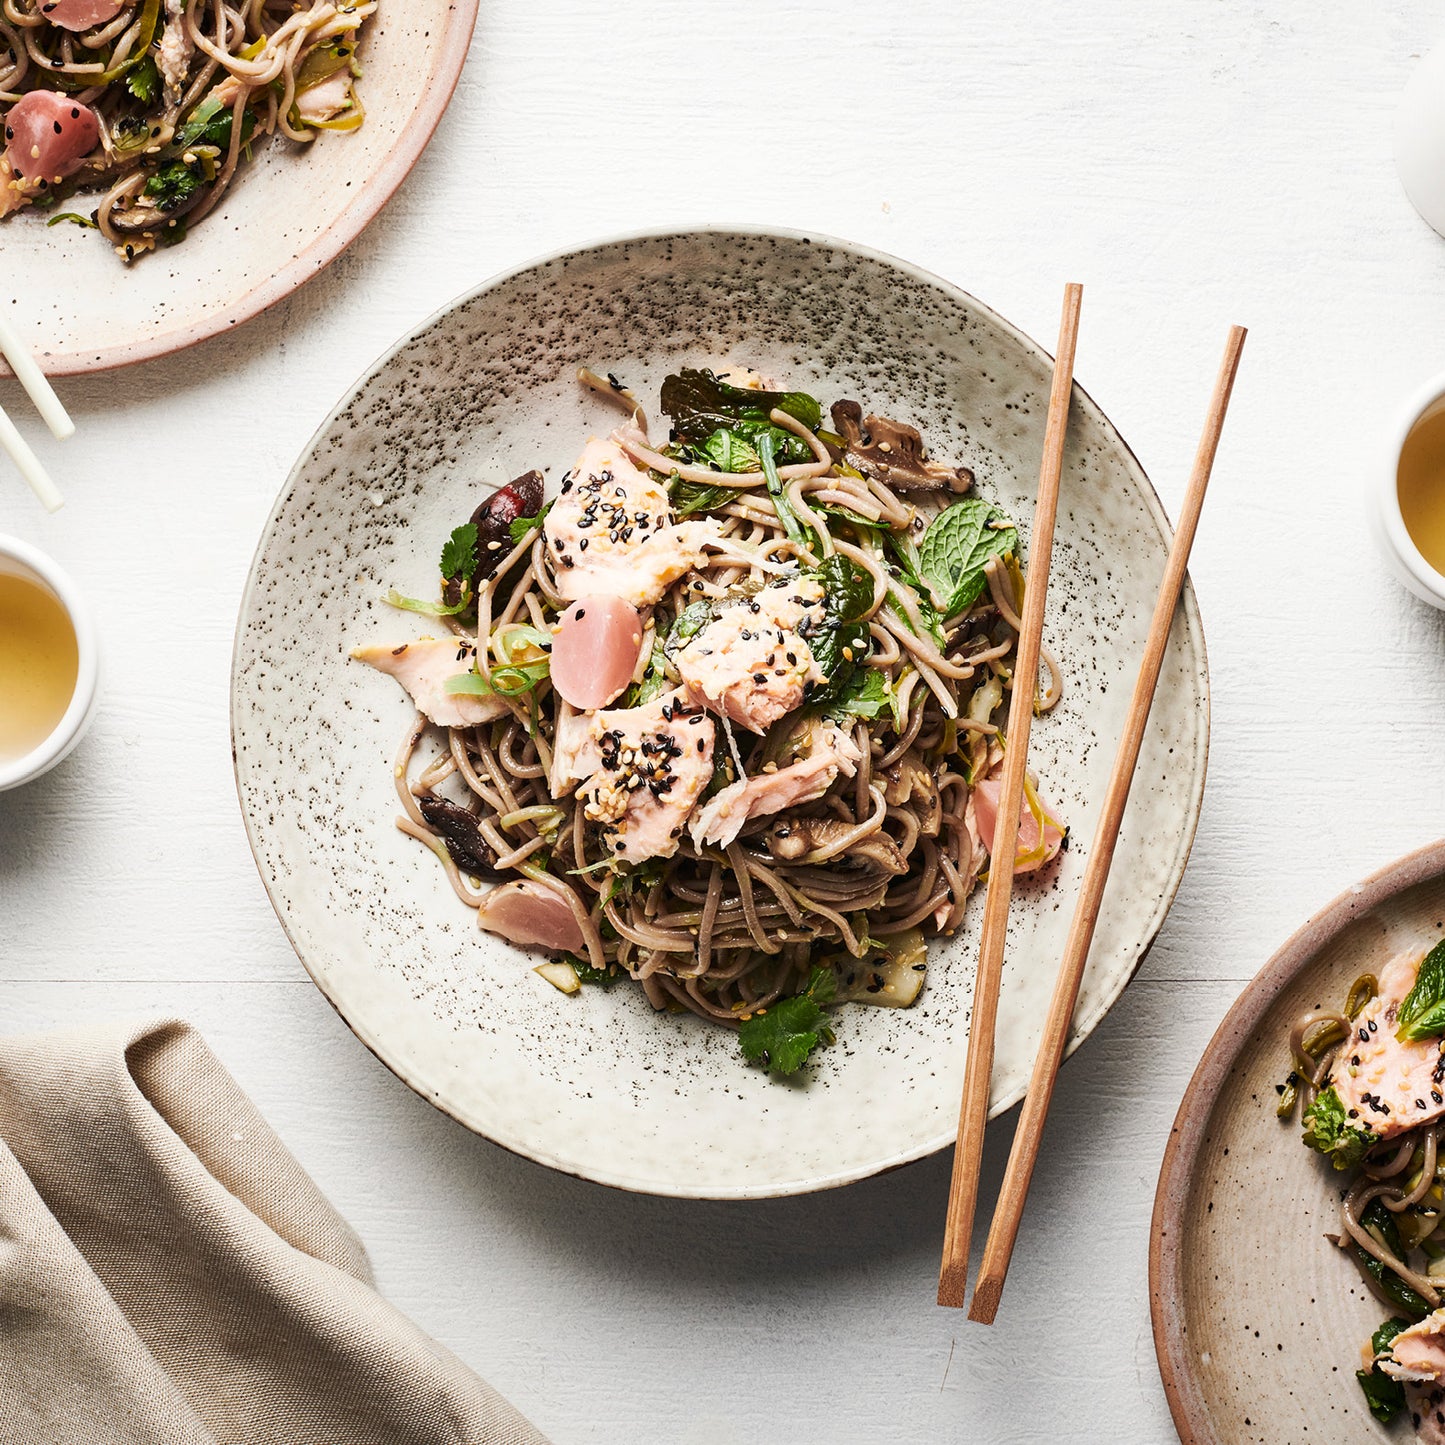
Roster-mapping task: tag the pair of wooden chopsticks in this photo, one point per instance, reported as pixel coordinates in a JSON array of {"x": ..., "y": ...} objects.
[
  {"x": 46, "y": 403},
  {"x": 973, "y": 1113}
]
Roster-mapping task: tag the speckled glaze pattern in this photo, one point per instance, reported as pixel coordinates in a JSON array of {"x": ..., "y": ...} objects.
[
  {"x": 596, "y": 1084},
  {"x": 287, "y": 217},
  {"x": 1258, "y": 1322}
]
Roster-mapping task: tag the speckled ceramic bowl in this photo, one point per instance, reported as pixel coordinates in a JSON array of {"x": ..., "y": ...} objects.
[
  {"x": 597, "y": 1084},
  {"x": 288, "y": 215},
  {"x": 1258, "y": 1322}
]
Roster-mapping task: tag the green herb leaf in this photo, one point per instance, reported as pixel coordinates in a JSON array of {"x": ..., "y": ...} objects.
[
  {"x": 144, "y": 81},
  {"x": 782, "y": 1036},
  {"x": 1384, "y": 1337},
  {"x": 428, "y": 609},
  {"x": 840, "y": 642},
  {"x": 1382, "y": 1224},
  {"x": 699, "y": 404},
  {"x": 173, "y": 185},
  {"x": 522, "y": 527},
  {"x": 459, "y": 561},
  {"x": 689, "y": 497},
  {"x": 791, "y": 525},
  {"x": 1422, "y": 1014},
  {"x": 951, "y": 556},
  {"x": 729, "y": 452},
  {"x": 587, "y": 974},
  {"x": 210, "y": 124},
  {"x": 867, "y": 695},
  {"x": 1384, "y": 1396},
  {"x": 1328, "y": 1131}
]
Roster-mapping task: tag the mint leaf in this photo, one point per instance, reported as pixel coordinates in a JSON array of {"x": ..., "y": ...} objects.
[
  {"x": 459, "y": 554},
  {"x": 1329, "y": 1132},
  {"x": 1422, "y": 1014},
  {"x": 1381, "y": 1223},
  {"x": 1384, "y": 1396},
  {"x": 951, "y": 556},
  {"x": 522, "y": 526},
  {"x": 782, "y": 1036},
  {"x": 840, "y": 642}
]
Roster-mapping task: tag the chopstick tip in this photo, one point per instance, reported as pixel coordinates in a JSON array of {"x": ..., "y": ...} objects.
[
  {"x": 952, "y": 1287},
  {"x": 986, "y": 1296}
]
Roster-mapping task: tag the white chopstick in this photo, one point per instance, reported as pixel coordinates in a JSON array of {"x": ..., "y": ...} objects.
[
  {"x": 29, "y": 465},
  {"x": 29, "y": 375}
]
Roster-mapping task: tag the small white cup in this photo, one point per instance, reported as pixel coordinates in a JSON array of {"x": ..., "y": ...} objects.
[
  {"x": 1400, "y": 550},
  {"x": 19, "y": 558}
]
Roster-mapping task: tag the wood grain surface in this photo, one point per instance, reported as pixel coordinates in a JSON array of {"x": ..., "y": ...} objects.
[{"x": 1192, "y": 166}]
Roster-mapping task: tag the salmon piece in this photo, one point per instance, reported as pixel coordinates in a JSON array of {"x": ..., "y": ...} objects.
[
  {"x": 830, "y": 752},
  {"x": 645, "y": 768},
  {"x": 611, "y": 531},
  {"x": 1035, "y": 846},
  {"x": 423, "y": 668},
  {"x": 1385, "y": 1085},
  {"x": 1418, "y": 1353},
  {"x": 80, "y": 14},
  {"x": 527, "y": 913},
  {"x": 753, "y": 663}
]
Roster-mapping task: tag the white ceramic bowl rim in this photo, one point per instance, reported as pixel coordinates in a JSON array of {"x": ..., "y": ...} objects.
[
  {"x": 1396, "y": 532},
  {"x": 72, "y": 723},
  {"x": 1084, "y": 1022}
]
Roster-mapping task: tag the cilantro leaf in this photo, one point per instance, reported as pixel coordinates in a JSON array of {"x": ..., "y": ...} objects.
[
  {"x": 210, "y": 124},
  {"x": 782, "y": 1036},
  {"x": 143, "y": 80},
  {"x": 459, "y": 554},
  {"x": 1422, "y": 1014},
  {"x": 173, "y": 185},
  {"x": 1327, "y": 1130},
  {"x": 522, "y": 527},
  {"x": 951, "y": 556}
]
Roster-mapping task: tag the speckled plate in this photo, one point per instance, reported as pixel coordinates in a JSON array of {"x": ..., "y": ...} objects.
[
  {"x": 288, "y": 215},
  {"x": 1258, "y": 1322},
  {"x": 597, "y": 1084}
]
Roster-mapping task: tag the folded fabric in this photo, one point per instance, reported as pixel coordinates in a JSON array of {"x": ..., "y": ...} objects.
[{"x": 169, "y": 1275}]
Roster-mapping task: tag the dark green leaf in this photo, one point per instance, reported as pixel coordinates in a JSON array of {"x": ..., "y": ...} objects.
[
  {"x": 782, "y": 1036},
  {"x": 690, "y": 497},
  {"x": 459, "y": 554},
  {"x": 791, "y": 525},
  {"x": 1381, "y": 1223},
  {"x": 951, "y": 556},
  {"x": 173, "y": 185},
  {"x": 210, "y": 124},
  {"x": 867, "y": 695},
  {"x": 1384, "y": 1396},
  {"x": 699, "y": 404},
  {"x": 587, "y": 974},
  {"x": 1329, "y": 1131},
  {"x": 1384, "y": 1337},
  {"x": 840, "y": 641},
  {"x": 1422, "y": 1014}
]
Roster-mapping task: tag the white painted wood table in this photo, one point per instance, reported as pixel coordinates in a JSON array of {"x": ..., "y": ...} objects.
[{"x": 1192, "y": 166}]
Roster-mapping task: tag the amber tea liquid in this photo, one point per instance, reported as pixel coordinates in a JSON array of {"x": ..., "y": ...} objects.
[
  {"x": 39, "y": 663},
  {"x": 1420, "y": 481}
]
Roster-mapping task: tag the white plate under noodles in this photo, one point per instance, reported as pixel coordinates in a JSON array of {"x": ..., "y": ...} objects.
[{"x": 597, "y": 1084}]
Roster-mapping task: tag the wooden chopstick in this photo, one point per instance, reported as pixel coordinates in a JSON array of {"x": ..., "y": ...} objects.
[
  {"x": 1008, "y": 1212},
  {"x": 973, "y": 1111}
]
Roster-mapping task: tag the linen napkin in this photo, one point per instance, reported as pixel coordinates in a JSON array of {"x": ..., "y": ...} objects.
[{"x": 169, "y": 1275}]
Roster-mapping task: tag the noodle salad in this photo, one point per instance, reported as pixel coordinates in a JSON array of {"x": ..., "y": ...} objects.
[
  {"x": 1371, "y": 1079},
  {"x": 155, "y": 103},
  {"x": 722, "y": 716}
]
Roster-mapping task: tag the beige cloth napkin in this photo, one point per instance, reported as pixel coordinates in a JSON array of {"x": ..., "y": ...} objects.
[{"x": 170, "y": 1276}]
